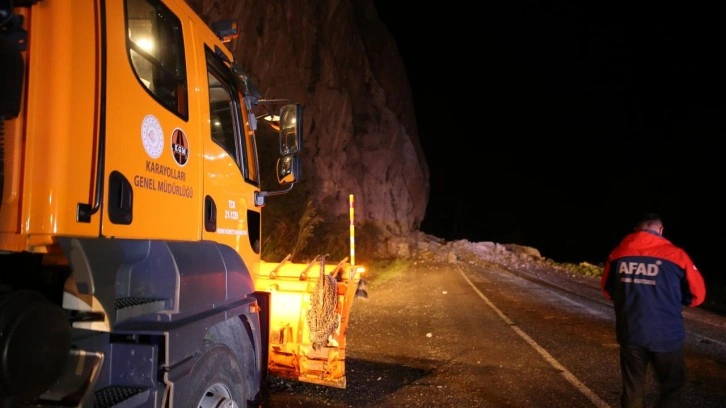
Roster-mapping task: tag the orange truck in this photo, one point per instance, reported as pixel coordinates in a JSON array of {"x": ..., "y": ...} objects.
[{"x": 131, "y": 217}]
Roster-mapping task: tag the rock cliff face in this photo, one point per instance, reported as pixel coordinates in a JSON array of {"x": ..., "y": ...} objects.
[{"x": 337, "y": 59}]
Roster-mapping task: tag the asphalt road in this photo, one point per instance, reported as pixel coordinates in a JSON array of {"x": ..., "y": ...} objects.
[{"x": 473, "y": 334}]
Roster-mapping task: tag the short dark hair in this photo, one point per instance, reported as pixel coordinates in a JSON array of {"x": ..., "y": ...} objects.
[
  {"x": 649, "y": 220},
  {"x": 648, "y": 217}
]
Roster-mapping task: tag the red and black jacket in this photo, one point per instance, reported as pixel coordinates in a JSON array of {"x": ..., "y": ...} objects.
[{"x": 650, "y": 280}]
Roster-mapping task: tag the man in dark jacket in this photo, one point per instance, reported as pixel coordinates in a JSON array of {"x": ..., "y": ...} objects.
[{"x": 650, "y": 280}]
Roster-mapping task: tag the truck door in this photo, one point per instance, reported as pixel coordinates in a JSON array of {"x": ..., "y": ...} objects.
[
  {"x": 230, "y": 164},
  {"x": 153, "y": 149}
]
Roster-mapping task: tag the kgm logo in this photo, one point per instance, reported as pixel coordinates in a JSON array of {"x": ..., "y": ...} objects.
[{"x": 179, "y": 147}]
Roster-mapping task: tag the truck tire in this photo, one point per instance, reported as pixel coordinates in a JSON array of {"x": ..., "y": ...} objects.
[{"x": 216, "y": 381}]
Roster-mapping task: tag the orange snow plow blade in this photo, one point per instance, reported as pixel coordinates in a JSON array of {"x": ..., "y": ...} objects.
[{"x": 309, "y": 309}]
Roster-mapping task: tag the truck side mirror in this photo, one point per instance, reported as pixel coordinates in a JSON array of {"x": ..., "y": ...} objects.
[
  {"x": 288, "y": 169},
  {"x": 290, "y": 129}
]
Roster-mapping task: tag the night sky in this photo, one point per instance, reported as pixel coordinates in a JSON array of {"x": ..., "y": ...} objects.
[{"x": 557, "y": 126}]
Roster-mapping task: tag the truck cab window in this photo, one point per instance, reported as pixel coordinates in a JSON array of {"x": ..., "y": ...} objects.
[
  {"x": 250, "y": 154},
  {"x": 225, "y": 119},
  {"x": 159, "y": 68},
  {"x": 223, "y": 109},
  {"x": 221, "y": 116}
]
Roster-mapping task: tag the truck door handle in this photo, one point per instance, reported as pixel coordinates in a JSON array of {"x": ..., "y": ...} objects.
[
  {"x": 210, "y": 214},
  {"x": 120, "y": 199}
]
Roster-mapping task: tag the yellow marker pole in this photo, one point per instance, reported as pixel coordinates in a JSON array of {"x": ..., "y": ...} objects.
[
  {"x": 352, "y": 230},
  {"x": 361, "y": 290}
]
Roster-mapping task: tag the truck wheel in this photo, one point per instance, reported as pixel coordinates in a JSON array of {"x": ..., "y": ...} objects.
[{"x": 216, "y": 381}]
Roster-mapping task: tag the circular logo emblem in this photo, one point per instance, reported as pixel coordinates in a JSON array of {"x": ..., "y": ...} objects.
[
  {"x": 179, "y": 146},
  {"x": 152, "y": 136}
]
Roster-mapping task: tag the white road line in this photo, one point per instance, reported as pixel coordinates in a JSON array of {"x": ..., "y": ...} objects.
[
  {"x": 580, "y": 306},
  {"x": 547, "y": 356},
  {"x": 705, "y": 339}
]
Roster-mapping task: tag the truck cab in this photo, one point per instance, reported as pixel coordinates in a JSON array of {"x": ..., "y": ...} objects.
[{"x": 130, "y": 220}]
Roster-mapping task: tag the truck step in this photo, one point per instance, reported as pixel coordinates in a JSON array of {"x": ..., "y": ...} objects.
[
  {"x": 129, "y": 307},
  {"x": 112, "y": 396}
]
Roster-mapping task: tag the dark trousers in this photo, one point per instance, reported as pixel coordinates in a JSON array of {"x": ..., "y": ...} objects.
[{"x": 670, "y": 374}]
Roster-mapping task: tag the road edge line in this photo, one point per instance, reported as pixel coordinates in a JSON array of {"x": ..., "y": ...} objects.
[{"x": 547, "y": 356}]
